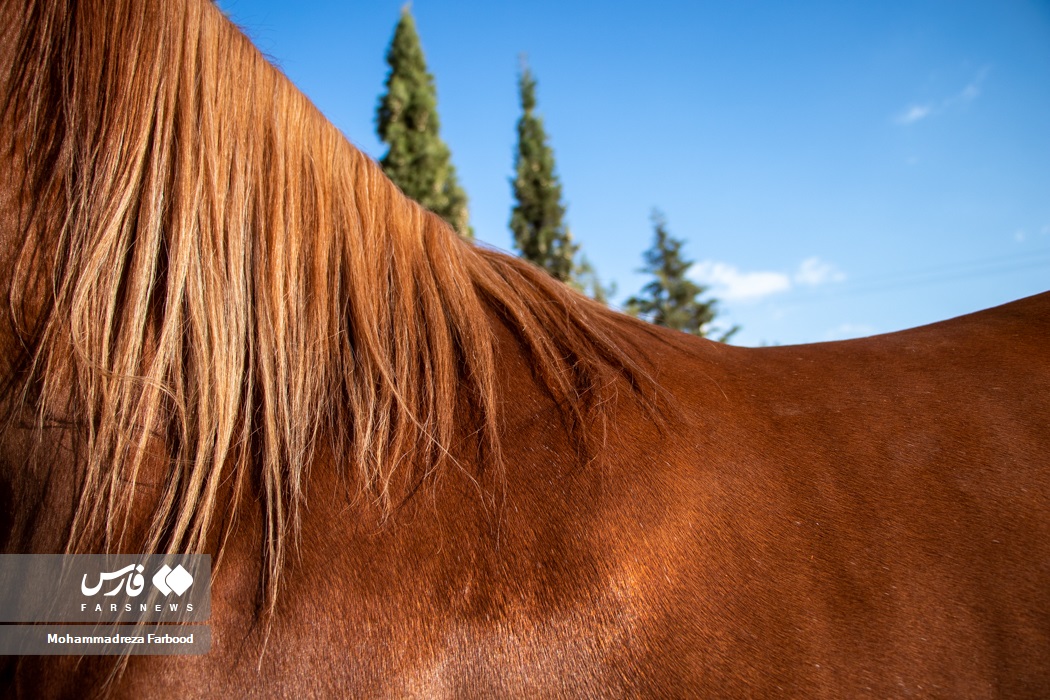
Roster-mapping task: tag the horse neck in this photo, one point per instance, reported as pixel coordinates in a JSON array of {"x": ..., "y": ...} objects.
[
  {"x": 226, "y": 283},
  {"x": 228, "y": 286}
]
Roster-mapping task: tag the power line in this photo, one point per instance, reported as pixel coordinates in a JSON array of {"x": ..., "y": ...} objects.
[{"x": 937, "y": 274}]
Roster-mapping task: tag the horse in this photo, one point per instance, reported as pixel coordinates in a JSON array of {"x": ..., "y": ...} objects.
[{"x": 426, "y": 469}]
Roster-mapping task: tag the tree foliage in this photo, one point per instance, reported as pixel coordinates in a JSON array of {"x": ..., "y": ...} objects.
[
  {"x": 672, "y": 299},
  {"x": 537, "y": 220},
  {"x": 417, "y": 160}
]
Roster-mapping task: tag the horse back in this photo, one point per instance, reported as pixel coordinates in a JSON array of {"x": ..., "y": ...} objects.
[{"x": 869, "y": 517}]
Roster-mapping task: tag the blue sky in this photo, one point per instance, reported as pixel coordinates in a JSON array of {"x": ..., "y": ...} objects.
[{"x": 837, "y": 169}]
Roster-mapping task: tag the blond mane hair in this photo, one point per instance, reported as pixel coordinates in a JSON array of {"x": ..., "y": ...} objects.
[{"x": 210, "y": 272}]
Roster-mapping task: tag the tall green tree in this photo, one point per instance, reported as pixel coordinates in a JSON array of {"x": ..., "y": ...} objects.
[
  {"x": 417, "y": 160},
  {"x": 672, "y": 299},
  {"x": 537, "y": 220}
]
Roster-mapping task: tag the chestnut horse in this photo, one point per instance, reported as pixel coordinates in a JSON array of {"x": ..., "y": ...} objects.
[{"x": 427, "y": 470}]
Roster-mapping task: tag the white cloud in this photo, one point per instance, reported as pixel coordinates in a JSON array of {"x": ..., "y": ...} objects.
[
  {"x": 730, "y": 283},
  {"x": 971, "y": 92},
  {"x": 1020, "y": 235},
  {"x": 814, "y": 271},
  {"x": 914, "y": 114}
]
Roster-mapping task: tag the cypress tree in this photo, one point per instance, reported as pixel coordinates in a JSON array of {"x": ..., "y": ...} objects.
[
  {"x": 417, "y": 160},
  {"x": 672, "y": 299},
  {"x": 537, "y": 221}
]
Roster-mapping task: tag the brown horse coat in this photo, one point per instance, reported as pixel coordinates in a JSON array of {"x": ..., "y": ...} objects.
[{"x": 496, "y": 489}]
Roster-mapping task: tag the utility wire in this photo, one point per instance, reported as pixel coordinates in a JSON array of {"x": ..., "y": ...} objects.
[{"x": 937, "y": 274}]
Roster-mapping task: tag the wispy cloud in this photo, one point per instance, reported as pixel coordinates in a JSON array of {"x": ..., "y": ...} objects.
[
  {"x": 972, "y": 91},
  {"x": 1022, "y": 234},
  {"x": 730, "y": 283},
  {"x": 814, "y": 271},
  {"x": 917, "y": 112},
  {"x": 914, "y": 113}
]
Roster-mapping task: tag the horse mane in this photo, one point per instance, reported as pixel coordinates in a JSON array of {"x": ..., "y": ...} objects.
[{"x": 211, "y": 272}]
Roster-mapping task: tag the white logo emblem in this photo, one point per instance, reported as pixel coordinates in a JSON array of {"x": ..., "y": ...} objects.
[
  {"x": 168, "y": 580},
  {"x": 134, "y": 582}
]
